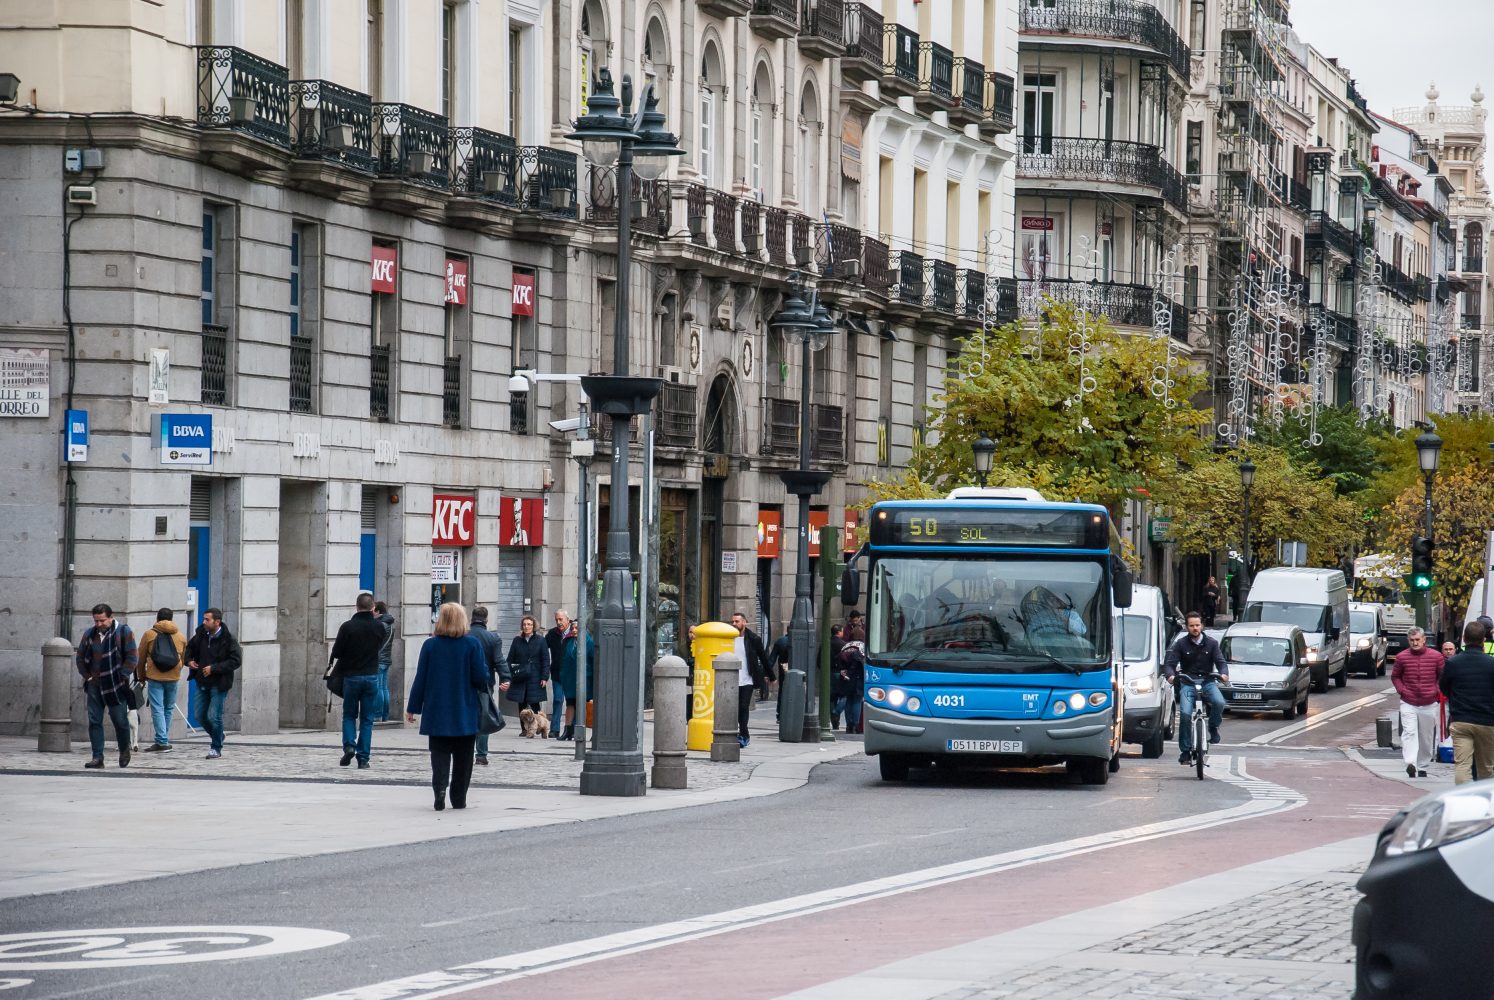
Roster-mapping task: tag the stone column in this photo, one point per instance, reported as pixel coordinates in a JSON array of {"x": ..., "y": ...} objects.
[
  {"x": 669, "y": 722},
  {"x": 56, "y": 699},
  {"x": 724, "y": 746}
]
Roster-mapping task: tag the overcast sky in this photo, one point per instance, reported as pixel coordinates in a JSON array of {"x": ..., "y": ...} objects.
[{"x": 1395, "y": 48}]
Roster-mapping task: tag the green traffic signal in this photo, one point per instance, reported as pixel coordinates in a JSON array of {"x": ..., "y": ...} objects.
[{"x": 1421, "y": 582}]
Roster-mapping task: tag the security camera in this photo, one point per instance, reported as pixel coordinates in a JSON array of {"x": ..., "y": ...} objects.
[
  {"x": 518, "y": 383},
  {"x": 568, "y": 426}
]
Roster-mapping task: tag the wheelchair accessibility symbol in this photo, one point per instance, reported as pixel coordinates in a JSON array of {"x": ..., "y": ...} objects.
[{"x": 118, "y": 948}]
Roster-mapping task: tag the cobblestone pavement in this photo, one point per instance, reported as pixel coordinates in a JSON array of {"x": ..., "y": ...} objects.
[{"x": 1096, "y": 982}]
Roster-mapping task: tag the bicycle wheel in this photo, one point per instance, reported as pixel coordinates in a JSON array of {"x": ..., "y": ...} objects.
[{"x": 1200, "y": 743}]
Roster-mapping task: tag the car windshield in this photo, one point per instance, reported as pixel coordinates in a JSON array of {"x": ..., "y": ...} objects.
[
  {"x": 1257, "y": 649},
  {"x": 1134, "y": 640},
  {"x": 1000, "y": 615},
  {"x": 1362, "y": 622},
  {"x": 1307, "y": 617}
]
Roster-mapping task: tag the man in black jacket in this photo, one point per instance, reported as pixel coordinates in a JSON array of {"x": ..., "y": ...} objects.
[
  {"x": 555, "y": 641},
  {"x": 355, "y": 655},
  {"x": 1197, "y": 655},
  {"x": 213, "y": 655},
  {"x": 497, "y": 664},
  {"x": 1468, "y": 682},
  {"x": 756, "y": 671}
]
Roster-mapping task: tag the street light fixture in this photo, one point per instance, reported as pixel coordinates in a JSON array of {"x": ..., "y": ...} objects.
[
  {"x": 610, "y": 133},
  {"x": 1247, "y": 479},
  {"x": 810, "y": 323},
  {"x": 985, "y": 453}
]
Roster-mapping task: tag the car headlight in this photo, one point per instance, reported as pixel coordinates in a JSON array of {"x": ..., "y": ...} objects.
[
  {"x": 1364, "y": 644},
  {"x": 1312, "y": 654},
  {"x": 1141, "y": 685},
  {"x": 1448, "y": 817}
]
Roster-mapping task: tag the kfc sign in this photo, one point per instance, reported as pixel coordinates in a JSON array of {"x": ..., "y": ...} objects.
[
  {"x": 385, "y": 268},
  {"x": 456, "y": 282},
  {"x": 453, "y": 520},
  {"x": 523, "y": 294},
  {"x": 1038, "y": 223}
]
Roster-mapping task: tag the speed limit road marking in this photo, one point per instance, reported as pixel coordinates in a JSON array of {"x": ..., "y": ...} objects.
[{"x": 118, "y": 948}]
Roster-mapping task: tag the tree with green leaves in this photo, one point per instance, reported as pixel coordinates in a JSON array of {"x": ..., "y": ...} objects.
[
  {"x": 1466, "y": 439},
  {"x": 1462, "y": 514},
  {"x": 1349, "y": 452}
]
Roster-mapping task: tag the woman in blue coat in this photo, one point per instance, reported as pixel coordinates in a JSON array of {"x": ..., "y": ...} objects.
[
  {"x": 449, "y": 679},
  {"x": 529, "y": 664},
  {"x": 568, "y": 677}
]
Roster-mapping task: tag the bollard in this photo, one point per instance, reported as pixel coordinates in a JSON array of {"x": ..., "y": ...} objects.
[
  {"x": 55, "y": 735},
  {"x": 669, "y": 722},
  {"x": 725, "y": 746},
  {"x": 711, "y": 640},
  {"x": 1385, "y": 731},
  {"x": 791, "y": 695}
]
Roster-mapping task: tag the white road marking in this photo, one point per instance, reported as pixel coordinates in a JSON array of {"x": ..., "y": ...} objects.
[
  {"x": 856, "y": 847},
  {"x": 118, "y": 948},
  {"x": 1321, "y": 719},
  {"x": 475, "y": 916},
  {"x": 937, "y": 833},
  {"x": 1266, "y": 798},
  {"x": 744, "y": 868},
  {"x": 626, "y": 888}
]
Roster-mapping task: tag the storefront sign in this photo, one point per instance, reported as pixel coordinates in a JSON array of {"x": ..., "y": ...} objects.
[
  {"x": 385, "y": 269},
  {"x": 456, "y": 282},
  {"x": 1036, "y": 222},
  {"x": 848, "y": 536},
  {"x": 521, "y": 521},
  {"x": 453, "y": 520},
  {"x": 25, "y": 382},
  {"x": 523, "y": 294},
  {"x": 186, "y": 438},
  {"x": 817, "y": 519},
  {"x": 769, "y": 530},
  {"x": 446, "y": 566},
  {"x": 77, "y": 435}
]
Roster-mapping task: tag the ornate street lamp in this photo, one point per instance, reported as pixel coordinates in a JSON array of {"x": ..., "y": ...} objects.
[
  {"x": 1247, "y": 479},
  {"x": 610, "y": 133},
  {"x": 985, "y": 453},
  {"x": 1428, "y": 455},
  {"x": 809, "y": 323}
]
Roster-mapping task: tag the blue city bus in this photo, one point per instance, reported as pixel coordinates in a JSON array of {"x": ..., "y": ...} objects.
[{"x": 989, "y": 633}]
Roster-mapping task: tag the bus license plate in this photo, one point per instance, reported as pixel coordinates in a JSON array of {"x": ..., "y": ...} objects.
[
  {"x": 986, "y": 746},
  {"x": 1248, "y": 695}
]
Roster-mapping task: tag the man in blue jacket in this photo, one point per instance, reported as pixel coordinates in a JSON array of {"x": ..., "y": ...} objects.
[
  {"x": 1197, "y": 655},
  {"x": 497, "y": 664}
]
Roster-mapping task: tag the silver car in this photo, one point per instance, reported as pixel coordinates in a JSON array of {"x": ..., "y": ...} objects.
[{"x": 1268, "y": 668}]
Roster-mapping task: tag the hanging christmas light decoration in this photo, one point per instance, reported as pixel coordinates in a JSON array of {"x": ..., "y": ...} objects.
[
  {"x": 1164, "y": 374},
  {"x": 1371, "y": 316},
  {"x": 1318, "y": 373}
]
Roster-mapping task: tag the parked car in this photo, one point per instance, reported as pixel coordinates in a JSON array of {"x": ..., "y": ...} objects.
[
  {"x": 1317, "y": 602},
  {"x": 1421, "y": 928},
  {"x": 1142, "y": 634},
  {"x": 1367, "y": 645},
  {"x": 1268, "y": 669}
]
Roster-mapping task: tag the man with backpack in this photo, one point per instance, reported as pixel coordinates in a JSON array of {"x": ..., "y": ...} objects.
[{"x": 163, "y": 652}]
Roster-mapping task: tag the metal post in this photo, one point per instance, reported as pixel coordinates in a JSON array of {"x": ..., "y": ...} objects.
[
  {"x": 726, "y": 669},
  {"x": 1245, "y": 557},
  {"x": 801, "y": 626},
  {"x": 669, "y": 722},
  {"x": 55, "y": 735},
  {"x": 1425, "y": 607},
  {"x": 646, "y": 557},
  {"x": 583, "y": 581}
]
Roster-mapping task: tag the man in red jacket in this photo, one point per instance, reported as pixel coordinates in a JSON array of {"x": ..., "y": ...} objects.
[{"x": 1416, "y": 675}]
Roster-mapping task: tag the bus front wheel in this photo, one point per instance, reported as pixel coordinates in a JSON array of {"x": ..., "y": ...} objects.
[
  {"x": 1091, "y": 770},
  {"x": 894, "y": 766}
]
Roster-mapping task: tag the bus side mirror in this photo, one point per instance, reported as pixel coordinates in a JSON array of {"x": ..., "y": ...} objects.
[
  {"x": 1121, "y": 585},
  {"x": 850, "y": 587}
]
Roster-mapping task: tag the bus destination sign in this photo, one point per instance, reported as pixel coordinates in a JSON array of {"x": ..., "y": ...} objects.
[{"x": 974, "y": 526}]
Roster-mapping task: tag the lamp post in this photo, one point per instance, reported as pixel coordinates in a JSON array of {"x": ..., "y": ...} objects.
[
  {"x": 1428, "y": 455},
  {"x": 610, "y": 133},
  {"x": 1247, "y": 479},
  {"x": 985, "y": 453},
  {"x": 810, "y": 323}
]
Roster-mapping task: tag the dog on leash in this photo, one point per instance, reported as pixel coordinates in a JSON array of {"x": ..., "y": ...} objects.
[{"x": 532, "y": 724}]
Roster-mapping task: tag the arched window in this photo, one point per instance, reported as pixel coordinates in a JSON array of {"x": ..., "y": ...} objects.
[
  {"x": 760, "y": 155},
  {"x": 720, "y": 432},
  {"x": 1473, "y": 247},
  {"x": 593, "y": 47},
  {"x": 810, "y": 199},
  {"x": 655, "y": 62},
  {"x": 711, "y": 79}
]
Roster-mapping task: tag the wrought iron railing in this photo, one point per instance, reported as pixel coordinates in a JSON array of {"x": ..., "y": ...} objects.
[
  {"x": 936, "y": 72},
  {"x": 1323, "y": 229},
  {"x": 876, "y": 274},
  {"x": 214, "y": 364},
  {"x": 776, "y": 227},
  {"x": 302, "y": 374},
  {"x": 238, "y": 90},
  {"x": 1001, "y": 102},
  {"x": 824, "y": 19},
  {"x": 485, "y": 164},
  {"x": 332, "y": 123},
  {"x": 970, "y": 288},
  {"x": 412, "y": 144},
  {"x": 939, "y": 284},
  {"x": 1444, "y": 289},
  {"x": 676, "y": 408},
  {"x": 547, "y": 181},
  {"x": 1007, "y": 303},
  {"x": 907, "y": 277},
  {"x": 650, "y": 201},
  {"x": 863, "y": 33},
  {"x": 1471, "y": 321},
  {"x": 518, "y": 412},
  {"x": 724, "y": 221},
  {"x": 782, "y": 432},
  {"x": 781, "y": 10},
  {"x": 1124, "y": 304},
  {"x": 801, "y": 239},
  {"x": 1473, "y": 263},
  {"x": 1300, "y": 196},
  {"x": 695, "y": 209},
  {"x": 1123, "y": 20},
  {"x": 969, "y": 86},
  {"x": 752, "y": 227},
  {"x": 380, "y": 359},
  {"x": 1102, "y": 160},
  {"x": 900, "y": 54},
  {"x": 1340, "y": 328},
  {"x": 837, "y": 246},
  {"x": 451, "y": 392},
  {"x": 829, "y": 441}
]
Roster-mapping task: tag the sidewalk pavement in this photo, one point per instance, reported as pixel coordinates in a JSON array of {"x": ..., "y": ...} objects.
[{"x": 284, "y": 796}]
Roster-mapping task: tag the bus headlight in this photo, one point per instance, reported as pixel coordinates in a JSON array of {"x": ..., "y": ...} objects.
[
  {"x": 1076, "y": 701},
  {"x": 913, "y": 704},
  {"x": 876, "y": 694},
  {"x": 1060, "y": 707},
  {"x": 896, "y": 697}
]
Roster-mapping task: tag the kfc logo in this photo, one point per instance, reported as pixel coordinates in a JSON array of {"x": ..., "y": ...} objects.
[
  {"x": 453, "y": 520},
  {"x": 523, "y": 295},
  {"x": 521, "y": 521},
  {"x": 384, "y": 269},
  {"x": 456, "y": 282}
]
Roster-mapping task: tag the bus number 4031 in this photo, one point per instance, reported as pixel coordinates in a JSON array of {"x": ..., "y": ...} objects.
[{"x": 949, "y": 701}]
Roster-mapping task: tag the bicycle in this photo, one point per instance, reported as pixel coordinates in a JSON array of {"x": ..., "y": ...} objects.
[{"x": 1199, "y": 720}]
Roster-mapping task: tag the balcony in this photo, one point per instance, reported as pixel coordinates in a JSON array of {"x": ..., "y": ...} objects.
[
  {"x": 1444, "y": 290},
  {"x": 1006, "y": 311},
  {"x": 331, "y": 126},
  {"x": 862, "y": 60},
  {"x": 1339, "y": 329},
  {"x": 650, "y": 201},
  {"x": 302, "y": 375},
  {"x": 726, "y": 8},
  {"x": 1473, "y": 263},
  {"x": 1123, "y": 304},
  {"x": 876, "y": 271},
  {"x": 775, "y": 221},
  {"x": 214, "y": 390},
  {"x": 971, "y": 301},
  {"x": 1299, "y": 196},
  {"x": 676, "y": 412},
  {"x": 935, "y": 77},
  {"x": 1129, "y": 21},
  {"x": 999, "y": 114},
  {"x": 775, "y": 18},
  {"x": 1103, "y": 161},
  {"x": 1468, "y": 321},
  {"x": 781, "y": 436},
  {"x": 412, "y": 144},
  {"x": 822, "y": 28},
  {"x": 1325, "y": 231},
  {"x": 239, "y": 96},
  {"x": 724, "y": 222},
  {"x": 752, "y": 228},
  {"x": 380, "y": 360},
  {"x": 838, "y": 251},
  {"x": 829, "y": 428},
  {"x": 969, "y": 99},
  {"x": 939, "y": 283},
  {"x": 485, "y": 165},
  {"x": 907, "y": 272},
  {"x": 899, "y": 60},
  {"x": 801, "y": 240},
  {"x": 547, "y": 181}
]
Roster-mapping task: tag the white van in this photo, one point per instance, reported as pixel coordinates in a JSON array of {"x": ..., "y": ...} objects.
[
  {"x": 1317, "y": 602},
  {"x": 1142, "y": 634}
]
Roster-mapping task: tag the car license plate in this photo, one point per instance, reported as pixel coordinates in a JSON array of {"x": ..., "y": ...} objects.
[
  {"x": 986, "y": 746},
  {"x": 1247, "y": 696}
]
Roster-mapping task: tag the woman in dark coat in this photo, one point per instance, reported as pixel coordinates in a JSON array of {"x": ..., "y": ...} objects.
[
  {"x": 567, "y": 677},
  {"x": 529, "y": 662},
  {"x": 448, "y": 680}
]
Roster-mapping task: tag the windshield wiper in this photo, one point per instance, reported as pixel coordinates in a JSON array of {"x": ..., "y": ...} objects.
[{"x": 1044, "y": 657}]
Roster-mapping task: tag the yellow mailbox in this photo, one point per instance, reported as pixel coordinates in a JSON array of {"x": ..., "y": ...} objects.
[{"x": 711, "y": 640}]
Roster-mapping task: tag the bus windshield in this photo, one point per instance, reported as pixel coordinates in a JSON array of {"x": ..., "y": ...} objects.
[{"x": 1000, "y": 615}]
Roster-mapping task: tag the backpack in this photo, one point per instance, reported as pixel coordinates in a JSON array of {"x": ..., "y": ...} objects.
[{"x": 164, "y": 657}]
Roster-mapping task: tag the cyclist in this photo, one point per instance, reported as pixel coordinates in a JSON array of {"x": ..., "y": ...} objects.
[{"x": 1196, "y": 655}]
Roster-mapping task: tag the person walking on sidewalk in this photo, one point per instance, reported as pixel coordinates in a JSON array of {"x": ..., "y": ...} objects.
[
  {"x": 163, "y": 652},
  {"x": 213, "y": 655},
  {"x": 449, "y": 678},
  {"x": 555, "y": 643},
  {"x": 850, "y": 671},
  {"x": 106, "y": 658},
  {"x": 1416, "y": 675},
  {"x": 752, "y": 675},
  {"x": 492, "y": 658},
  {"x": 386, "y": 656},
  {"x": 568, "y": 675},
  {"x": 529, "y": 666},
  {"x": 1468, "y": 682},
  {"x": 355, "y": 655}
]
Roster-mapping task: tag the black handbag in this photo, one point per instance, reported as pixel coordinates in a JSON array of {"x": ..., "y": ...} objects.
[
  {"x": 333, "y": 677},
  {"x": 489, "y": 719}
]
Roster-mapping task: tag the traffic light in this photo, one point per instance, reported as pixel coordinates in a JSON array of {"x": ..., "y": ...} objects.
[{"x": 1421, "y": 563}]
